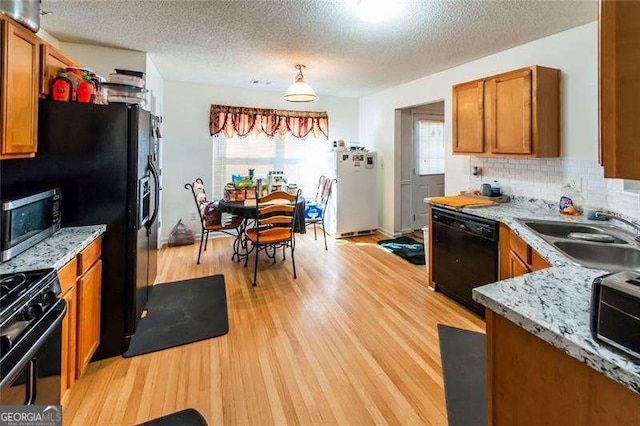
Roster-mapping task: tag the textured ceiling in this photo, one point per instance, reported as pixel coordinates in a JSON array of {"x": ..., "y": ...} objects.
[{"x": 231, "y": 43}]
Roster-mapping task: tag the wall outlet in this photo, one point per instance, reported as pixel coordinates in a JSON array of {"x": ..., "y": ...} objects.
[
  {"x": 476, "y": 172},
  {"x": 576, "y": 183}
]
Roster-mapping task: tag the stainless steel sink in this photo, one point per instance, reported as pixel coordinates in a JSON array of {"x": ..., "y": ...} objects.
[
  {"x": 622, "y": 253},
  {"x": 563, "y": 230},
  {"x": 602, "y": 256}
]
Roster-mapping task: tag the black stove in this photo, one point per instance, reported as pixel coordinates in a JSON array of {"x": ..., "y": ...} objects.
[{"x": 30, "y": 336}]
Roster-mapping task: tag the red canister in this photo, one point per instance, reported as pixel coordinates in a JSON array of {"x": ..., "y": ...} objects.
[
  {"x": 84, "y": 90},
  {"x": 61, "y": 88}
]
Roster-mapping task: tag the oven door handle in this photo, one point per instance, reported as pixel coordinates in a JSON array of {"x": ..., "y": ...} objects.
[
  {"x": 31, "y": 382},
  {"x": 8, "y": 378}
]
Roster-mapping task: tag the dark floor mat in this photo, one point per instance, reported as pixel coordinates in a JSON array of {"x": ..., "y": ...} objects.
[
  {"x": 464, "y": 371},
  {"x": 405, "y": 247},
  {"x": 188, "y": 417},
  {"x": 181, "y": 312}
]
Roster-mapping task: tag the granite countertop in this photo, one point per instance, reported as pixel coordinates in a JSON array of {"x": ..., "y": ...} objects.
[
  {"x": 554, "y": 304},
  {"x": 530, "y": 208},
  {"x": 55, "y": 251}
]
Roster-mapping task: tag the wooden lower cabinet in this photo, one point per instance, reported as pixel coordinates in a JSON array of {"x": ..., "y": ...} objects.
[
  {"x": 516, "y": 266},
  {"x": 81, "y": 324},
  {"x": 88, "y": 331},
  {"x": 68, "y": 376},
  {"x": 530, "y": 382},
  {"x": 516, "y": 256}
]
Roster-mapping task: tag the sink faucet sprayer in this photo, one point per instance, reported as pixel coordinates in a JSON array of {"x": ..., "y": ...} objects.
[{"x": 606, "y": 216}]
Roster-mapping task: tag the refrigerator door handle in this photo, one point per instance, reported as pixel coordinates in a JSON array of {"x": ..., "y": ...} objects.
[{"x": 154, "y": 216}]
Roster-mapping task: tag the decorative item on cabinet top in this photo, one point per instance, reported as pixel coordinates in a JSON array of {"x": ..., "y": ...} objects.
[{"x": 514, "y": 114}]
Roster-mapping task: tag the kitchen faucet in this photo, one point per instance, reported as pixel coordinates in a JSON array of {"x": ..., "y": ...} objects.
[{"x": 607, "y": 216}]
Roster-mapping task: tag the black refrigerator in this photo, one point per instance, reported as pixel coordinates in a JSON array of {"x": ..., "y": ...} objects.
[{"x": 104, "y": 159}]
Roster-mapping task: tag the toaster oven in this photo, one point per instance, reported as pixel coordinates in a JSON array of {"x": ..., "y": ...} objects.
[{"x": 615, "y": 311}]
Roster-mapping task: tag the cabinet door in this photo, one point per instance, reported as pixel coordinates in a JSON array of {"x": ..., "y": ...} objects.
[
  {"x": 516, "y": 266},
  {"x": 52, "y": 62},
  {"x": 68, "y": 376},
  {"x": 509, "y": 113},
  {"x": 88, "y": 332},
  {"x": 619, "y": 68},
  {"x": 468, "y": 117},
  {"x": 537, "y": 262},
  {"x": 18, "y": 91}
]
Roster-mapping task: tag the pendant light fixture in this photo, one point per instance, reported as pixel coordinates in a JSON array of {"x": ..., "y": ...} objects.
[{"x": 300, "y": 91}]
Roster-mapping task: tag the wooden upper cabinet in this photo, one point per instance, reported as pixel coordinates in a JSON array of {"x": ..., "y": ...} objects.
[
  {"x": 519, "y": 115},
  {"x": 18, "y": 90},
  {"x": 619, "y": 69},
  {"x": 52, "y": 62},
  {"x": 508, "y": 114},
  {"x": 468, "y": 112}
]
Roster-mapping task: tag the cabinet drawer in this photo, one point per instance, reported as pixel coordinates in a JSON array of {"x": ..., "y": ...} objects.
[
  {"x": 67, "y": 275},
  {"x": 89, "y": 256},
  {"x": 521, "y": 248}
]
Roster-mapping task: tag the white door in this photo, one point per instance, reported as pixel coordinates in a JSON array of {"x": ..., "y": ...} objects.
[{"x": 428, "y": 172}]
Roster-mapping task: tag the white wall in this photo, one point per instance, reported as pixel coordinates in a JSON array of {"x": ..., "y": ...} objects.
[
  {"x": 574, "y": 52},
  {"x": 155, "y": 84},
  {"x": 188, "y": 148},
  {"x": 103, "y": 60},
  {"x": 43, "y": 34}
]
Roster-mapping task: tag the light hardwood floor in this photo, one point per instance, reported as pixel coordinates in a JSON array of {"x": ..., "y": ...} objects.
[{"x": 352, "y": 341}]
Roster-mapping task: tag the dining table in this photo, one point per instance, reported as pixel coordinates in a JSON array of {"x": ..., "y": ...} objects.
[{"x": 248, "y": 212}]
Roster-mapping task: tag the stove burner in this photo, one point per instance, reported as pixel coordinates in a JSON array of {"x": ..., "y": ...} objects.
[
  {"x": 18, "y": 285},
  {"x": 8, "y": 280},
  {"x": 11, "y": 286}
]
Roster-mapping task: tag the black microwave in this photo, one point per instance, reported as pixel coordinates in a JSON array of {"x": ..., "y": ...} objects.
[{"x": 27, "y": 220}]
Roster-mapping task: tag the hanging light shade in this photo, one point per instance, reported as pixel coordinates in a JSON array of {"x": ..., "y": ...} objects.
[{"x": 300, "y": 91}]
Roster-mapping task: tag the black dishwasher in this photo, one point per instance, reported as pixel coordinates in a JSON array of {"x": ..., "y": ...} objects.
[{"x": 464, "y": 254}]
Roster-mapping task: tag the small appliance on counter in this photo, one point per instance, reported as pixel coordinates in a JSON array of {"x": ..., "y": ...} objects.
[
  {"x": 28, "y": 219},
  {"x": 615, "y": 311},
  {"x": 277, "y": 181}
]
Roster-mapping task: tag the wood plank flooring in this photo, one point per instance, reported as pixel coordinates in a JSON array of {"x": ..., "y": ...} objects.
[{"x": 352, "y": 341}]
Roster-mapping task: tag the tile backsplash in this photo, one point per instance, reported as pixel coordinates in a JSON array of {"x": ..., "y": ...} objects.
[{"x": 544, "y": 178}]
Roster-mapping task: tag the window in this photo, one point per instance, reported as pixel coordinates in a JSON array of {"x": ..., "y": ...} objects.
[
  {"x": 430, "y": 147},
  {"x": 302, "y": 160}
]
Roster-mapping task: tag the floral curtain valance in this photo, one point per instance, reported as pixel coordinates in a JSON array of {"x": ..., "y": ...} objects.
[{"x": 241, "y": 121}]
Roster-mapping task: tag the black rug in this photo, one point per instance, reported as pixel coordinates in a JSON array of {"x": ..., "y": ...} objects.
[
  {"x": 188, "y": 417},
  {"x": 405, "y": 247},
  {"x": 464, "y": 371},
  {"x": 181, "y": 312}
]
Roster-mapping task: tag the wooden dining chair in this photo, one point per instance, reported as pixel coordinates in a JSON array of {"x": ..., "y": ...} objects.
[
  {"x": 321, "y": 199},
  {"x": 228, "y": 224},
  {"x": 274, "y": 228}
]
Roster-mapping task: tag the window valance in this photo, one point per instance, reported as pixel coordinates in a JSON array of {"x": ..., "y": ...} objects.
[{"x": 241, "y": 121}]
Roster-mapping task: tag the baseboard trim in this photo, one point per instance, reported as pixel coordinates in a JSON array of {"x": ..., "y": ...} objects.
[
  {"x": 389, "y": 234},
  {"x": 212, "y": 235}
]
